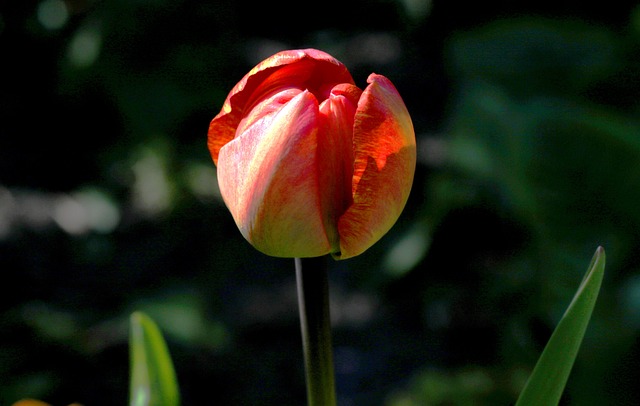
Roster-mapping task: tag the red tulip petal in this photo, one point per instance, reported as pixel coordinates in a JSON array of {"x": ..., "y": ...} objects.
[
  {"x": 307, "y": 69},
  {"x": 385, "y": 159},
  {"x": 267, "y": 177},
  {"x": 335, "y": 156}
]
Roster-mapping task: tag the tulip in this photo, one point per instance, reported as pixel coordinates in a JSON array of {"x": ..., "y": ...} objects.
[
  {"x": 308, "y": 163},
  {"x": 35, "y": 402}
]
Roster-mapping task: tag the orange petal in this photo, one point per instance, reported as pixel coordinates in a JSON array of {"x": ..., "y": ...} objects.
[
  {"x": 268, "y": 179},
  {"x": 306, "y": 69},
  {"x": 335, "y": 156},
  {"x": 385, "y": 160},
  {"x": 30, "y": 402}
]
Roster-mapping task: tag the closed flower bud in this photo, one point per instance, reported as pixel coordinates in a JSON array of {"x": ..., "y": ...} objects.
[{"x": 308, "y": 163}]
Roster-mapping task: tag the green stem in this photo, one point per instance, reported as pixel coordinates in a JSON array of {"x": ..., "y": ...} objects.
[{"x": 315, "y": 323}]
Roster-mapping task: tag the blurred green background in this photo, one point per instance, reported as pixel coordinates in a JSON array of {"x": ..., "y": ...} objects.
[{"x": 527, "y": 118}]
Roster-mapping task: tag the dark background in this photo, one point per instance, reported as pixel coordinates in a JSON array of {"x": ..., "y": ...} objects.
[{"x": 529, "y": 158}]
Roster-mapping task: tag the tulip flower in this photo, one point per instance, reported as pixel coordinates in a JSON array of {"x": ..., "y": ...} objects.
[
  {"x": 308, "y": 163},
  {"x": 35, "y": 402}
]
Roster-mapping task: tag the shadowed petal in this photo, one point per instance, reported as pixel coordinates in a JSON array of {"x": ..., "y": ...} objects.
[{"x": 335, "y": 156}]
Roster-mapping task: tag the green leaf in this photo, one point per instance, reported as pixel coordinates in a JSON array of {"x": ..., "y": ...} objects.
[
  {"x": 549, "y": 377},
  {"x": 153, "y": 379}
]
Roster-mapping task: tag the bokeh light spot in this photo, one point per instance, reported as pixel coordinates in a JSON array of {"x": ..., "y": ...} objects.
[
  {"x": 85, "y": 46},
  {"x": 52, "y": 14},
  {"x": 407, "y": 252}
]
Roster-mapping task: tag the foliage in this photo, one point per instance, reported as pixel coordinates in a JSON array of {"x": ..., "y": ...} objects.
[{"x": 153, "y": 380}]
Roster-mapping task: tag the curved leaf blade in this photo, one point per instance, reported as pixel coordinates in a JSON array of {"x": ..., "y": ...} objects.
[
  {"x": 153, "y": 380},
  {"x": 550, "y": 375}
]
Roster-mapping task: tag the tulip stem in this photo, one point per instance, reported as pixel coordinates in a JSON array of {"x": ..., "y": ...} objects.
[{"x": 315, "y": 323}]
